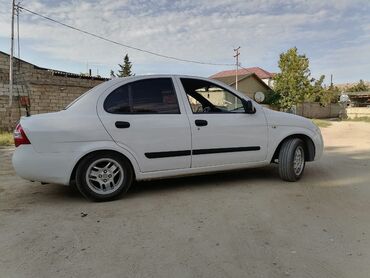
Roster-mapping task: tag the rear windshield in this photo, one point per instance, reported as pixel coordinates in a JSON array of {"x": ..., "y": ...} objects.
[
  {"x": 81, "y": 96},
  {"x": 77, "y": 99}
]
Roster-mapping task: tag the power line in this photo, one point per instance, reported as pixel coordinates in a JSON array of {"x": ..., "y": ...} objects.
[
  {"x": 122, "y": 44},
  {"x": 247, "y": 69}
]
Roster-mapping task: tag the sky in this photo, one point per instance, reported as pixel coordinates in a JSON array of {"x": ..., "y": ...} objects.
[{"x": 334, "y": 34}]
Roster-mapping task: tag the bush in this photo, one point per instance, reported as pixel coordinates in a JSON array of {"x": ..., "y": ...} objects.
[
  {"x": 359, "y": 119},
  {"x": 321, "y": 123},
  {"x": 272, "y": 98},
  {"x": 6, "y": 139}
]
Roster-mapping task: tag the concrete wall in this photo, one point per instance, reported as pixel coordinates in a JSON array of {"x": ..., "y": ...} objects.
[
  {"x": 357, "y": 112},
  {"x": 315, "y": 110},
  {"x": 47, "y": 91}
]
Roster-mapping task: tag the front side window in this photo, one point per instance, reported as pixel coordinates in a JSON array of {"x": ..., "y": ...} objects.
[
  {"x": 148, "y": 96},
  {"x": 206, "y": 97}
]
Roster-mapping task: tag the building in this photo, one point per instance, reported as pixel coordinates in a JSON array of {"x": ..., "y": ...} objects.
[
  {"x": 359, "y": 99},
  {"x": 264, "y": 75},
  {"x": 248, "y": 82},
  {"x": 38, "y": 90},
  {"x": 345, "y": 87}
]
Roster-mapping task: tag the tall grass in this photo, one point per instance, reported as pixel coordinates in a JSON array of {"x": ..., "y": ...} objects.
[
  {"x": 6, "y": 139},
  {"x": 359, "y": 119},
  {"x": 321, "y": 123}
]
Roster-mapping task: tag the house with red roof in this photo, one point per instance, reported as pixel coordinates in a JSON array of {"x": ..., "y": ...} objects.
[
  {"x": 264, "y": 75},
  {"x": 250, "y": 80}
]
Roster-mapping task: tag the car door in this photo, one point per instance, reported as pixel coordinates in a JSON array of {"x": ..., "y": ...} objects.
[
  {"x": 222, "y": 133},
  {"x": 146, "y": 117}
]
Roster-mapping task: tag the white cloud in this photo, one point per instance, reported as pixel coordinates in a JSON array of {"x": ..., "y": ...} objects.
[{"x": 201, "y": 30}]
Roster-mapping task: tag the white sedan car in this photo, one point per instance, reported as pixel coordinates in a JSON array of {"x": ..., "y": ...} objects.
[{"x": 147, "y": 127}]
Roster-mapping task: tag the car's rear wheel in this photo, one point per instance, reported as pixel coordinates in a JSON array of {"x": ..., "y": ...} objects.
[
  {"x": 104, "y": 176},
  {"x": 292, "y": 159}
]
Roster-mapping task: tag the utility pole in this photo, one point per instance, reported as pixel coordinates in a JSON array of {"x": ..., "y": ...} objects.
[
  {"x": 11, "y": 59},
  {"x": 331, "y": 80},
  {"x": 236, "y": 56},
  {"x": 18, "y": 43}
]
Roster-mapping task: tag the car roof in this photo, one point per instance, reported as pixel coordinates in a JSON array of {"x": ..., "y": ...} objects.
[
  {"x": 119, "y": 79},
  {"x": 122, "y": 80},
  {"x": 90, "y": 98}
]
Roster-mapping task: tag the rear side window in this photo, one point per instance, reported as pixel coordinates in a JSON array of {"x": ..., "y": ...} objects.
[{"x": 148, "y": 96}]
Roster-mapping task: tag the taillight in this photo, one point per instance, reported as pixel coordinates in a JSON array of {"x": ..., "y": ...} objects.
[{"x": 19, "y": 136}]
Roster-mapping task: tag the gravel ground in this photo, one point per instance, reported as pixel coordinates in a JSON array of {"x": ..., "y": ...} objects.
[{"x": 238, "y": 224}]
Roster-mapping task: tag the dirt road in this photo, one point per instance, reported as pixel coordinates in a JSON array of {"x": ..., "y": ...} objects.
[{"x": 240, "y": 224}]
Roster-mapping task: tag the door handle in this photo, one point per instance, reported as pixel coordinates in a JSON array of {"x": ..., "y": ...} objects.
[
  {"x": 120, "y": 124},
  {"x": 201, "y": 122}
]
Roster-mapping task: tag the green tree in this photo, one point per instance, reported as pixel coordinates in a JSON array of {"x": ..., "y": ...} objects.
[
  {"x": 331, "y": 95},
  {"x": 316, "y": 92},
  {"x": 359, "y": 87},
  {"x": 125, "y": 69},
  {"x": 294, "y": 83},
  {"x": 272, "y": 98}
]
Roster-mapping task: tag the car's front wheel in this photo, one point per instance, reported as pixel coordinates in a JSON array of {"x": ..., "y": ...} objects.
[
  {"x": 104, "y": 176},
  {"x": 292, "y": 159}
]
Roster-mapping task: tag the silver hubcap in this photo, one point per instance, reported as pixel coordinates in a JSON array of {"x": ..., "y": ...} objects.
[
  {"x": 298, "y": 162},
  {"x": 104, "y": 176}
]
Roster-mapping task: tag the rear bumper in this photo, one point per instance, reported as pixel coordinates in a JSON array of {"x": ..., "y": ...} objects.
[{"x": 43, "y": 167}]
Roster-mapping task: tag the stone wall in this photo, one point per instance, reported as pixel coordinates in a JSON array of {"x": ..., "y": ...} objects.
[
  {"x": 48, "y": 90},
  {"x": 358, "y": 112},
  {"x": 315, "y": 111}
]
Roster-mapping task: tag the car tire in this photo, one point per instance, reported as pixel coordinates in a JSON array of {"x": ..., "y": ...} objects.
[
  {"x": 73, "y": 186},
  {"x": 104, "y": 176},
  {"x": 292, "y": 159}
]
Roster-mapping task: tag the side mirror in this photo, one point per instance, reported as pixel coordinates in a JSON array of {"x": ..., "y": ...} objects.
[{"x": 248, "y": 107}]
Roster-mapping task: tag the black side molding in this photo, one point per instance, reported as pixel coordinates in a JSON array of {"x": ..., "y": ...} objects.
[
  {"x": 168, "y": 154},
  {"x": 226, "y": 150},
  {"x": 201, "y": 151}
]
